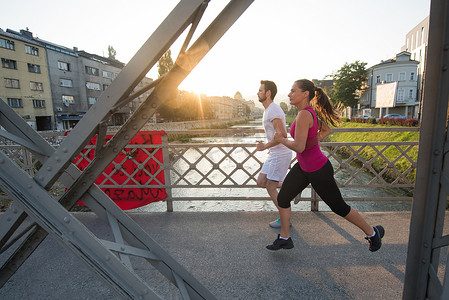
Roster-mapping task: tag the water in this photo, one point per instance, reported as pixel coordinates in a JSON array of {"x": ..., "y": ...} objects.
[{"x": 231, "y": 205}]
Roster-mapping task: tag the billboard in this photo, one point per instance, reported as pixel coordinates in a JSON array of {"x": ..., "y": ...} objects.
[{"x": 386, "y": 94}]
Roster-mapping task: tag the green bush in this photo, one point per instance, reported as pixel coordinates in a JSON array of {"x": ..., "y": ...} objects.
[{"x": 399, "y": 122}]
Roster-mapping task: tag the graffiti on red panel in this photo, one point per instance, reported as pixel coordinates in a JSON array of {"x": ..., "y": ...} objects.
[{"x": 131, "y": 167}]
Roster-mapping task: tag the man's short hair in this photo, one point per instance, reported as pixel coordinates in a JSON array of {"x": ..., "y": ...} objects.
[{"x": 270, "y": 86}]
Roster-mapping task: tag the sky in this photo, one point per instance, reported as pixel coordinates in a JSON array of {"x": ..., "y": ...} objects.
[{"x": 279, "y": 40}]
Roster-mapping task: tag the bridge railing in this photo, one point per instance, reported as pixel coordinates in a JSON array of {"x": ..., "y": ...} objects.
[{"x": 209, "y": 171}]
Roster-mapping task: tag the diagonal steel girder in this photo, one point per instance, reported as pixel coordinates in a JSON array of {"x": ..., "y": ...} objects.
[
  {"x": 57, "y": 163},
  {"x": 427, "y": 238}
]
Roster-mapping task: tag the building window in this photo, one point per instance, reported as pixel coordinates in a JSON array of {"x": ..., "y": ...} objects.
[
  {"x": 65, "y": 82},
  {"x": 411, "y": 94},
  {"x": 105, "y": 86},
  {"x": 92, "y": 71},
  {"x": 9, "y": 63},
  {"x": 91, "y": 100},
  {"x": 401, "y": 76},
  {"x": 389, "y": 77},
  {"x": 63, "y": 66},
  {"x": 107, "y": 74},
  {"x": 32, "y": 50},
  {"x": 378, "y": 79},
  {"x": 36, "y": 86},
  {"x": 400, "y": 95},
  {"x": 68, "y": 100},
  {"x": 12, "y": 83},
  {"x": 93, "y": 86},
  {"x": 38, "y": 103},
  {"x": 412, "y": 76},
  {"x": 34, "y": 68},
  {"x": 7, "y": 44},
  {"x": 15, "y": 102}
]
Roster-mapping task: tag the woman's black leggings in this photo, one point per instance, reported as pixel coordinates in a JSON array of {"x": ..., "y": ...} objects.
[{"x": 323, "y": 183}]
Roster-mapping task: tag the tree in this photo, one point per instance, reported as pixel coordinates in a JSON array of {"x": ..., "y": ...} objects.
[
  {"x": 284, "y": 107},
  {"x": 111, "y": 52},
  {"x": 165, "y": 63},
  {"x": 348, "y": 82}
]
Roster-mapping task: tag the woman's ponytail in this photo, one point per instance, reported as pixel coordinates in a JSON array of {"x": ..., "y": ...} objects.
[
  {"x": 324, "y": 108},
  {"x": 321, "y": 102}
]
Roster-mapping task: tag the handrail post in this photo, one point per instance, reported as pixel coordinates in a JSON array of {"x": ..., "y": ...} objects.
[
  {"x": 314, "y": 203},
  {"x": 166, "y": 168}
]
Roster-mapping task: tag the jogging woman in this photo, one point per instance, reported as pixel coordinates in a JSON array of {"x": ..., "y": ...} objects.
[{"x": 313, "y": 167}]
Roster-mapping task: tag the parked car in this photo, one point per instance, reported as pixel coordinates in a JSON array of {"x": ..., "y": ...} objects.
[
  {"x": 364, "y": 117},
  {"x": 393, "y": 116}
]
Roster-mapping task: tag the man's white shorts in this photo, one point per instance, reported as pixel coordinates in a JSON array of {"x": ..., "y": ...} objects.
[{"x": 276, "y": 165}]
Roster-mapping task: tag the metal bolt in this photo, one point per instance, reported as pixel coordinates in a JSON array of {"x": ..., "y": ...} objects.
[
  {"x": 144, "y": 117},
  {"x": 436, "y": 152},
  {"x": 446, "y": 47},
  {"x": 434, "y": 171},
  {"x": 107, "y": 258},
  {"x": 423, "y": 261},
  {"x": 2, "y": 161},
  {"x": 444, "y": 68},
  {"x": 65, "y": 150},
  {"x": 66, "y": 220},
  {"x": 153, "y": 105},
  {"x": 48, "y": 168}
]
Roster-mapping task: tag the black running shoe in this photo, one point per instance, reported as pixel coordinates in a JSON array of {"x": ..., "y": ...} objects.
[
  {"x": 281, "y": 244},
  {"x": 375, "y": 242}
]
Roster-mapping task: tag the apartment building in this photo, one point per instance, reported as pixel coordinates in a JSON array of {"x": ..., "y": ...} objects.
[
  {"x": 97, "y": 74},
  {"x": 66, "y": 85},
  {"x": 392, "y": 87},
  {"x": 416, "y": 41},
  {"x": 63, "y": 83},
  {"x": 25, "y": 83}
]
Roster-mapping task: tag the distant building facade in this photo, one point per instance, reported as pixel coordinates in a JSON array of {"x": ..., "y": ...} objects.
[
  {"x": 63, "y": 83},
  {"x": 98, "y": 74},
  {"x": 25, "y": 82},
  {"x": 392, "y": 87},
  {"x": 416, "y": 41}
]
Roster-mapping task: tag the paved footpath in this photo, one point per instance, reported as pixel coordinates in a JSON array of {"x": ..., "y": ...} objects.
[{"x": 226, "y": 252}]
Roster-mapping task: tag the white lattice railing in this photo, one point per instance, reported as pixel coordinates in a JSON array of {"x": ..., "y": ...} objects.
[{"x": 212, "y": 171}]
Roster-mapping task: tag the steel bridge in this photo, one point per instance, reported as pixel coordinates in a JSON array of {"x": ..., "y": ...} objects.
[{"x": 110, "y": 260}]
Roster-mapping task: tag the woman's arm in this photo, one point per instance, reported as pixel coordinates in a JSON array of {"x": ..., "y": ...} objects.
[
  {"x": 303, "y": 122},
  {"x": 324, "y": 130}
]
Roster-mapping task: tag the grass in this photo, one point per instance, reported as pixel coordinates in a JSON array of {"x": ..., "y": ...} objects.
[{"x": 392, "y": 153}]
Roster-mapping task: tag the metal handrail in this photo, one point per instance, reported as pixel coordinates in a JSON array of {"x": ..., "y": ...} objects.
[{"x": 178, "y": 167}]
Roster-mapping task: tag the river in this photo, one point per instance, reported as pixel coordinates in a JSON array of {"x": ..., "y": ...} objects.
[{"x": 221, "y": 205}]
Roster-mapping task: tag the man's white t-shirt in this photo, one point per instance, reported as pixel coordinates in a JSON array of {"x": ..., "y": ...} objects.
[{"x": 274, "y": 111}]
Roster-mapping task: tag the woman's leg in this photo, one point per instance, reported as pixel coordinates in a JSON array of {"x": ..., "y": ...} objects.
[
  {"x": 355, "y": 218},
  {"x": 295, "y": 182},
  {"x": 323, "y": 182}
]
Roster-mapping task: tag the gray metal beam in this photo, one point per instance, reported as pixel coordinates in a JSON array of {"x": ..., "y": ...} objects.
[
  {"x": 147, "y": 56},
  {"x": 420, "y": 279},
  {"x": 53, "y": 217}
]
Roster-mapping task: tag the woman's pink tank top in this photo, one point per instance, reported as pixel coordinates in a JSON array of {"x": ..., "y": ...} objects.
[{"x": 311, "y": 159}]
